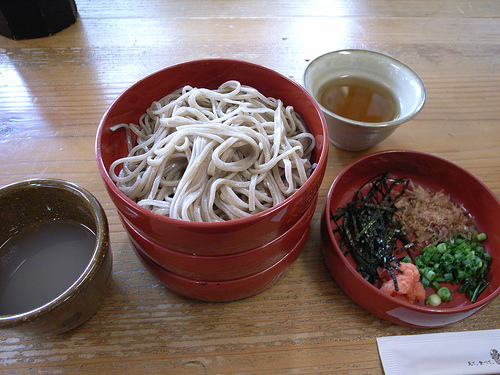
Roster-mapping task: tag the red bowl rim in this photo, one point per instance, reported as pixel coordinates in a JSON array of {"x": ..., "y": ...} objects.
[
  {"x": 229, "y": 223},
  {"x": 392, "y": 300},
  {"x": 304, "y": 220}
]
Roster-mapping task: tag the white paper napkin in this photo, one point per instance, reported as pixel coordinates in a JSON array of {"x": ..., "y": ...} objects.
[{"x": 454, "y": 353}]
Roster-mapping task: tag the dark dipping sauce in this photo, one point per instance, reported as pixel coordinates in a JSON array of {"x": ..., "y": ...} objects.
[{"x": 41, "y": 262}]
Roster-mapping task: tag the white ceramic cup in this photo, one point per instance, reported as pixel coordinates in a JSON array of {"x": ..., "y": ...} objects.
[{"x": 404, "y": 83}]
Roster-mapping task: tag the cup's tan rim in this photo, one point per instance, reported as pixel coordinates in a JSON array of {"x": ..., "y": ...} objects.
[
  {"x": 98, "y": 255},
  {"x": 397, "y": 121}
]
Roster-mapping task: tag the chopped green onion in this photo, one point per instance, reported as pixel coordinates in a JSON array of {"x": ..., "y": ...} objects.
[
  {"x": 445, "y": 294},
  {"x": 435, "y": 284},
  {"x": 460, "y": 261},
  {"x": 430, "y": 275},
  {"x": 478, "y": 291},
  {"x": 425, "y": 281},
  {"x": 441, "y": 247},
  {"x": 448, "y": 277},
  {"x": 406, "y": 259},
  {"x": 481, "y": 237},
  {"x": 433, "y": 300}
]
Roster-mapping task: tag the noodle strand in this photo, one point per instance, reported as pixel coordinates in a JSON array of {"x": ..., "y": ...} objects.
[{"x": 214, "y": 155}]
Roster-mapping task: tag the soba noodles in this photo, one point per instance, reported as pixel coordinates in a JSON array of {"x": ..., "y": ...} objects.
[{"x": 213, "y": 155}]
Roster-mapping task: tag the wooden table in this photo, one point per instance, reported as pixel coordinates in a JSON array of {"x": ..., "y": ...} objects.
[{"x": 54, "y": 90}]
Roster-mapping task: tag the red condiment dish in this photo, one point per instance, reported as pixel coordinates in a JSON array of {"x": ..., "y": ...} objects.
[
  {"x": 217, "y": 238},
  {"x": 434, "y": 173}
]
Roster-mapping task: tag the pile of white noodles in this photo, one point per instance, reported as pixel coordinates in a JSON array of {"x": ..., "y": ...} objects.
[{"x": 214, "y": 155}]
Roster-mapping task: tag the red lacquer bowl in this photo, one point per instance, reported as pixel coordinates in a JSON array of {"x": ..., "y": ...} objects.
[
  {"x": 223, "y": 267},
  {"x": 434, "y": 173},
  {"x": 224, "y": 291},
  {"x": 219, "y": 238}
]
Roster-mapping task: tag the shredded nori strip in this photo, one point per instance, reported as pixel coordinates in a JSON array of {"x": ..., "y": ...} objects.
[{"x": 368, "y": 229}]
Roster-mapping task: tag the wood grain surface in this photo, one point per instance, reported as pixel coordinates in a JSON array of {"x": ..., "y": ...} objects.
[{"x": 54, "y": 90}]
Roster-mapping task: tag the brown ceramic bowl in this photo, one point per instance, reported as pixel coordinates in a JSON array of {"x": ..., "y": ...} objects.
[
  {"x": 33, "y": 203},
  {"x": 223, "y": 267},
  {"x": 228, "y": 290},
  {"x": 436, "y": 174},
  {"x": 217, "y": 238}
]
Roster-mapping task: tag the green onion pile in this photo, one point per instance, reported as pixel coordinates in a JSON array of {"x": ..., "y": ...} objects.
[{"x": 461, "y": 261}]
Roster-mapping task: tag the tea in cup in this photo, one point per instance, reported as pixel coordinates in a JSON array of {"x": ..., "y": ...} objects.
[{"x": 364, "y": 95}]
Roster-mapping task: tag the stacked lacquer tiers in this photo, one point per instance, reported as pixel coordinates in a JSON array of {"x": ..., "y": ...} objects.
[{"x": 217, "y": 261}]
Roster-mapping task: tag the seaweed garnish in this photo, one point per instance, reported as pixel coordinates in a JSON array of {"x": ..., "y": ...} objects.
[{"x": 369, "y": 230}]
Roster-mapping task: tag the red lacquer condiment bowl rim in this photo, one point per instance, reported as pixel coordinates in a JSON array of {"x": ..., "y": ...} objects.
[{"x": 408, "y": 155}]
